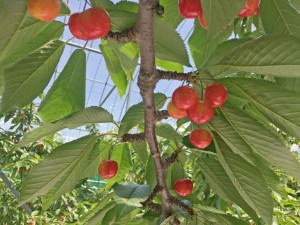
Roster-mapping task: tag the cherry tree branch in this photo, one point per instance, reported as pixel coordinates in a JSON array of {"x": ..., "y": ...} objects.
[
  {"x": 182, "y": 205},
  {"x": 139, "y": 137},
  {"x": 169, "y": 75},
  {"x": 125, "y": 36},
  {"x": 171, "y": 159}
]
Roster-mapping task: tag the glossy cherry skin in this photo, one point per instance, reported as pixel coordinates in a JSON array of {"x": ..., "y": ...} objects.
[
  {"x": 184, "y": 97},
  {"x": 175, "y": 112},
  {"x": 108, "y": 168},
  {"x": 189, "y": 9},
  {"x": 183, "y": 187},
  {"x": 201, "y": 18},
  {"x": 74, "y": 27},
  {"x": 215, "y": 95},
  {"x": 251, "y": 8},
  {"x": 201, "y": 113},
  {"x": 45, "y": 10},
  {"x": 94, "y": 23},
  {"x": 200, "y": 138}
]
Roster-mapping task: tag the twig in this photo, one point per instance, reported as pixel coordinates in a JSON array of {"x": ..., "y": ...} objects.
[
  {"x": 171, "y": 159},
  {"x": 155, "y": 191},
  {"x": 125, "y": 36},
  {"x": 169, "y": 75},
  {"x": 160, "y": 115},
  {"x": 139, "y": 137},
  {"x": 185, "y": 207}
]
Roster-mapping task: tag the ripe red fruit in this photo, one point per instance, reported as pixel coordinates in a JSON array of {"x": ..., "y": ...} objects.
[
  {"x": 200, "y": 138},
  {"x": 32, "y": 222},
  {"x": 215, "y": 95},
  {"x": 189, "y": 9},
  {"x": 108, "y": 168},
  {"x": 184, "y": 97},
  {"x": 94, "y": 23},
  {"x": 175, "y": 112},
  {"x": 201, "y": 113},
  {"x": 183, "y": 187},
  {"x": 44, "y": 10},
  {"x": 201, "y": 17},
  {"x": 41, "y": 146},
  {"x": 251, "y": 8},
  {"x": 74, "y": 27}
]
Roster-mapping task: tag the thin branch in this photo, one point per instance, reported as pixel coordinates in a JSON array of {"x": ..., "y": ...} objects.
[
  {"x": 154, "y": 207},
  {"x": 160, "y": 115},
  {"x": 139, "y": 137},
  {"x": 171, "y": 159},
  {"x": 155, "y": 191},
  {"x": 185, "y": 207},
  {"x": 169, "y": 75},
  {"x": 125, "y": 36}
]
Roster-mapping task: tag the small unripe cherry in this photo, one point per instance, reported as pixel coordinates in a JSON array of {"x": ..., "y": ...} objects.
[
  {"x": 175, "y": 112},
  {"x": 184, "y": 97},
  {"x": 45, "y": 10},
  {"x": 201, "y": 113},
  {"x": 200, "y": 138},
  {"x": 183, "y": 187},
  {"x": 108, "y": 168},
  {"x": 251, "y": 8},
  {"x": 94, "y": 23},
  {"x": 189, "y": 9},
  {"x": 74, "y": 27},
  {"x": 215, "y": 95}
]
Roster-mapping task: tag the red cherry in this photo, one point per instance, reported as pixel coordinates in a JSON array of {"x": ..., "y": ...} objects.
[
  {"x": 41, "y": 146},
  {"x": 201, "y": 113},
  {"x": 175, "y": 112},
  {"x": 183, "y": 187},
  {"x": 108, "y": 168},
  {"x": 189, "y": 9},
  {"x": 184, "y": 97},
  {"x": 215, "y": 95},
  {"x": 74, "y": 27},
  {"x": 44, "y": 10},
  {"x": 94, "y": 23},
  {"x": 200, "y": 138},
  {"x": 251, "y": 8},
  {"x": 32, "y": 222},
  {"x": 201, "y": 18}
]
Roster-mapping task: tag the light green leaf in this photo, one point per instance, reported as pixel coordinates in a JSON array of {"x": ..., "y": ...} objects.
[
  {"x": 247, "y": 179},
  {"x": 291, "y": 84},
  {"x": 277, "y": 55},
  {"x": 27, "y": 79},
  {"x": 168, "y": 66},
  {"x": 265, "y": 143},
  {"x": 167, "y": 131},
  {"x": 121, "y": 20},
  {"x": 64, "y": 8},
  {"x": 99, "y": 216},
  {"x": 121, "y": 154},
  {"x": 141, "y": 150},
  {"x": 280, "y": 106},
  {"x": 129, "y": 197},
  {"x": 67, "y": 95},
  {"x": 84, "y": 166},
  {"x": 171, "y": 13},
  {"x": 135, "y": 114},
  {"x": 150, "y": 176},
  {"x": 220, "y": 13},
  {"x": 63, "y": 161},
  {"x": 279, "y": 17},
  {"x": 114, "y": 68},
  {"x": 86, "y": 116},
  {"x": 110, "y": 217},
  {"x": 169, "y": 47},
  {"x": 222, "y": 185}
]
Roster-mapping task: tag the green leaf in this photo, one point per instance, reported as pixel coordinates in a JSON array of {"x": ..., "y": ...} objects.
[
  {"x": 201, "y": 46},
  {"x": 167, "y": 131},
  {"x": 291, "y": 84},
  {"x": 98, "y": 218},
  {"x": 222, "y": 185},
  {"x": 265, "y": 143},
  {"x": 84, "y": 166},
  {"x": 12, "y": 14},
  {"x": 141, "y": 150},
  {"x": 280, "y": 106},
  {"x": 121, "y": 20},
  {"x": 86, "y": 116},
  {"x": 66, "y": 160},
  {"x": 130, "y": 196},
  {"x": 218, "y": 14},
  {"x": 114, "y": 68},
  {"x": 279, "y": 17},
  {"x": 277, "y": 55},
  {"x": 110, "y": 217},
  {"x": 135, "y": 114},
  {"x": 64, "y": 8},
  {"x": 247, "y": 179},
  {"x": 169, "y": 47},
  {"x": 168, "y": 66},
  {"x": 27, "y": 79},
  {"x": 177, "y": 172},
  {"x": 67, "y": 95},
  {"x": 150, "y": 175},
  {"x": 121, "y": 154},
  {"x": 171, "y": 12}
]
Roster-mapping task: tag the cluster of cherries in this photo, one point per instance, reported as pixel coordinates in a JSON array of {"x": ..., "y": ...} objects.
[
  {"x": 192, "y": 9},
  {"x": 90, "y": 24},
  {"x": 185, "y": 103}
]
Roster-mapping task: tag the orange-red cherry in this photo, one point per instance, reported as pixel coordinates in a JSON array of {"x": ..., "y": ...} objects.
[
  {"x": 200, "y": 138},
  {"x": 184, "y": 97},
  {"x": 189, "y": 9},
  {"x": 201, "y": 113},
  {"x": 215, "y": 95},
  {"x": 251, "y": 8},
  {"x": 45, "y": 10},
  {"x": 175, "y": 112},
  {"x": 108, "y": 168},
  {"x": 94, "y": 23},
  {"x": 183, "y": 187},
  {"x": 74, "y": 27}
]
